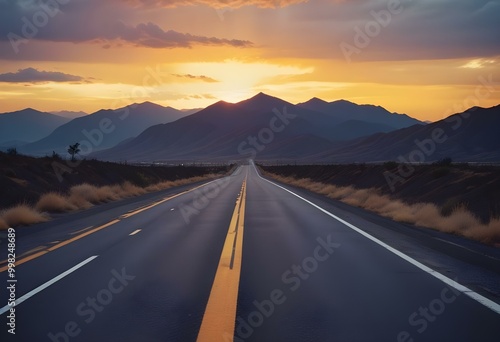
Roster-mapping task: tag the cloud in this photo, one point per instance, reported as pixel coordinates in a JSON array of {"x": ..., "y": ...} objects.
[
  {"x": 108, "y": 26},
  {"x": 478, "y": 63},
  {"x": 193, "y": 77},
  {"x": 151, "y": 35},
  {"x": 200, "y": 97},
  {"x": 31, "y": 75},
  {"x": 215, "y": 3}
]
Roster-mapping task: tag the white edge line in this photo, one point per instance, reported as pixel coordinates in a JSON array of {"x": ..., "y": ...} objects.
[
  {"x": 474, "y": 295},
  {"x": 47, "y": 284},
  {"x": 135, "y": 232}
]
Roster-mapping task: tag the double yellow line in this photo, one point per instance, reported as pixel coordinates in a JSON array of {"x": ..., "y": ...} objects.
[{"x": 220, "y": 314}]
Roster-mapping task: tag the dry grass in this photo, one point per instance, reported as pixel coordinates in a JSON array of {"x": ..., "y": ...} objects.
[
  {"x": 22, "y": 215},
  {"x": 54, "y": 202},
  {"x": 82, "y": 196},
  {"x": 3, "y": 224},
  {"x": 460, "y": 221}
]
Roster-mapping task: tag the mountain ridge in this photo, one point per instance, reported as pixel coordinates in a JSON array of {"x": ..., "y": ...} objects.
[
  {"x": 103, "y": 128},
  {"x": 27, "y": 125},
  {"x": 221, "y": 129}
]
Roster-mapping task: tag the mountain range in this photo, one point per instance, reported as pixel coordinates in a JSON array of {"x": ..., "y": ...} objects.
[
  {"x": 343, "y": 110},
  {"x": 471, "y": 136},
  {"x": 103, "y": 129},
  {"x": 262, "y": 127},
  {"x": 27, "y": 125},
  {"x": 69, "y": 114}
]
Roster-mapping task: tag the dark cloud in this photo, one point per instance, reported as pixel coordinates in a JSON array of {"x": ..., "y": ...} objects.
[
  {"x": 193, "y": 77},
  {"x": 31, "y": 75},
  {"x": 151, "y": 35},
  {"x": 424, "y": 29},
  {"x": 92, "y": 21}
]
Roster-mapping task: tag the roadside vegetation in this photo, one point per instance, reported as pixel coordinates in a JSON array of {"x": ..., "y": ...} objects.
[
  {"x": 454, "y": 218},
  {"x": 32, "y": 189},
  {"x": 80, "y": 197}
]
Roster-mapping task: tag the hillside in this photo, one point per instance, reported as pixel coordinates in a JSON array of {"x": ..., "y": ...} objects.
[
  {"x": 24, "y": 179},
  {"x": 103, "y": 129},
  {"x": 259, "y": 127},
  {"x": 27, "y": 125},
  {"x": 471, "y": 136},
  {"x": 343, "y": 110},
  {"x": 69, "y": 114},
  {"x": 221, "y": 131},
  {"x": 476, "y": 188}
]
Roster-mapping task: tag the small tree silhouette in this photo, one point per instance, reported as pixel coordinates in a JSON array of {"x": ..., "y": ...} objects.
[
  {"x": 12, "y": 151},
  {"x": 74, "y": 150}
]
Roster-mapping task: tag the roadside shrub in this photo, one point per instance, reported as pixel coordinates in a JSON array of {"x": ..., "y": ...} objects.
[
  {"x": 450, "y": 218},
  {"x": 22, "y": 215},
  {"x": 12, "y": 151},
  {"x": 3, "y": 224},
  {"x": 85, "y": 192},
  {"x": 54, "y": 202},
  {"x": 82, "y": 196}
]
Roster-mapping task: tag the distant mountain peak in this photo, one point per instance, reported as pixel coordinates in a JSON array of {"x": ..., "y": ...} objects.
[
  {"x": 262, "y": 101},
  {"x": 146, "y": 104},
  {"x": 342, "y": 101},
  {"x": 261, "y": 96},
  {"x": 315, "y": 101},
  {"x": 29, "y": 109}
]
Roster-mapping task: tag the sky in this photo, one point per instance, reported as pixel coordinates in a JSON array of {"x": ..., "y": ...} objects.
[{"x": 425, "y": 58}]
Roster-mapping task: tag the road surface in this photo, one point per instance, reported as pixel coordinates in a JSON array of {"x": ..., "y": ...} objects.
[{"x": 245, "y": 259}]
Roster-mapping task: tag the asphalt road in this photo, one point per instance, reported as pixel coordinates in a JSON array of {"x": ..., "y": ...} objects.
[{"x": 244, "y": 259}]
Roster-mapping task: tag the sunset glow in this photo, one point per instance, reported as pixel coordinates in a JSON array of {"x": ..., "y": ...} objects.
[{"x": 190, "y": 54}]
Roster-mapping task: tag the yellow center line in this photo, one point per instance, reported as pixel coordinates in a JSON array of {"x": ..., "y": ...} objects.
[
  {"x": 78, "y": 237},
  {"x": 127, "y": 215},
  {"x": 151, "y": 206},
  {"x": 22, "y": 261},
  {"x": 220, "y": 314}
]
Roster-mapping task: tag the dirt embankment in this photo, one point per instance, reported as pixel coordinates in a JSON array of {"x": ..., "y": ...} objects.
[{"x": 459, "y": 199}]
